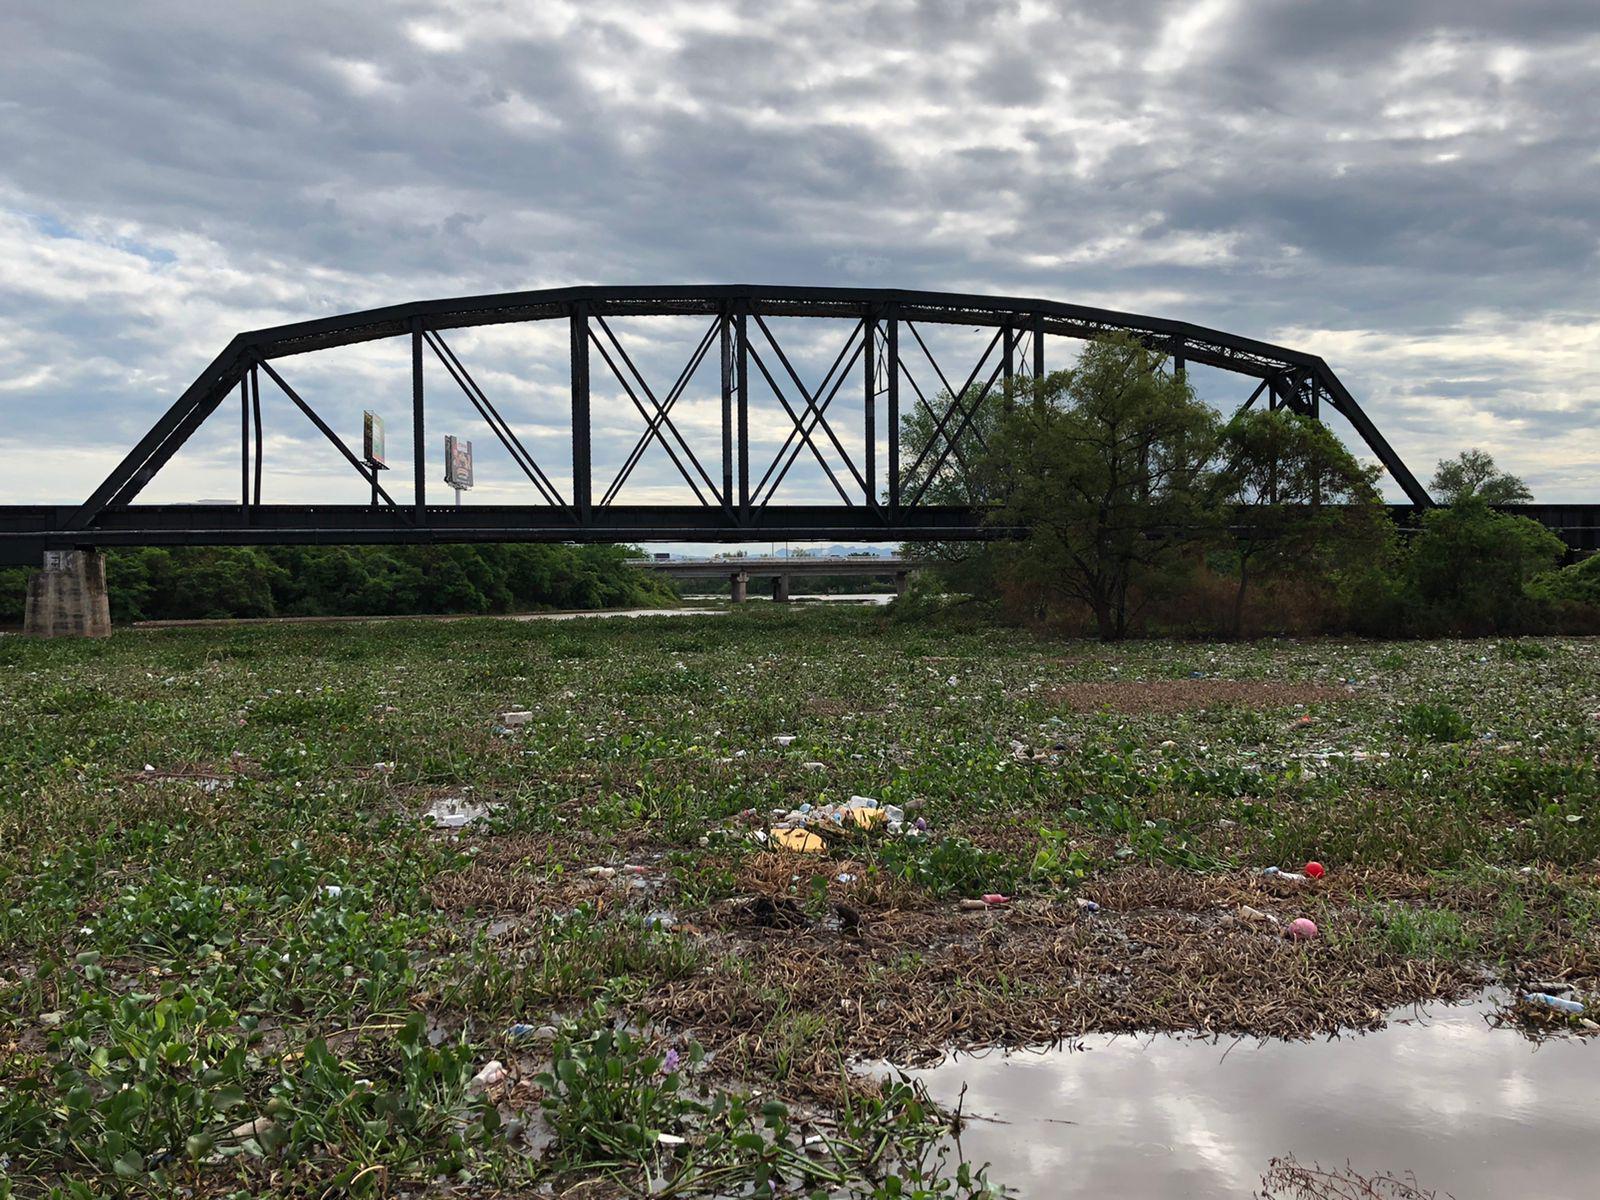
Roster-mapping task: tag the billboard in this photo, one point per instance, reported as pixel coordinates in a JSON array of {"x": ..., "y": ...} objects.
[
  {"x": 372, "y": 439},
  {"x": 457, "y": 463}
]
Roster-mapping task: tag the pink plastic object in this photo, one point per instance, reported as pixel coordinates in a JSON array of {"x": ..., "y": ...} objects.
[
  {"x": 1314, "y": 869},
  {"x": 1302, "y": 929},
  {"x": 995, "y": 898}
]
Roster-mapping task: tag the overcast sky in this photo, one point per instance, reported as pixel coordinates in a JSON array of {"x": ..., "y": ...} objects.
[{"x": 1408, "y": 189}]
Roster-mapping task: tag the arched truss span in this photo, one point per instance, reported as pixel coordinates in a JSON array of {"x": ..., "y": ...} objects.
[{"x": 734, "y": 494}]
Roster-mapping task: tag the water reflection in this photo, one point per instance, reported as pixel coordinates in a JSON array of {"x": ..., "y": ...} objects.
[{"x": 1470, "y": 1110}]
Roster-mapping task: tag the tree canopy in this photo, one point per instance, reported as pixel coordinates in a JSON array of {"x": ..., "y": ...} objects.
[{"x": 1473, "y": 474}]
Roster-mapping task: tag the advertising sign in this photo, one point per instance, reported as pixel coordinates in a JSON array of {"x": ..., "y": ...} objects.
[
  {"x": 372, "y": 439},
  {"x": 458, "y": 463}
]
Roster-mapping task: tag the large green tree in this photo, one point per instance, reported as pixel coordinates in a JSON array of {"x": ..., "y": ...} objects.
[
  {"x": 1105, "y": 465},
  {"x": 1296, "y": 501}
]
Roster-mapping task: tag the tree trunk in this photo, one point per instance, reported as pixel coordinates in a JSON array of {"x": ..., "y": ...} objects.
[{"x": 1238, "y": 601}]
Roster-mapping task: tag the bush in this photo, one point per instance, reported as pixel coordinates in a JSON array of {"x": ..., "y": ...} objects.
[
  {"x": 1468, "y": 571},
  {"x": 1577, "y": 584},
  {"x": 1435, "y": 723}
]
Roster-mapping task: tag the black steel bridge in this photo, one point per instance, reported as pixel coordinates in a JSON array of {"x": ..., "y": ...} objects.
[{"x": 884, "y": 357}]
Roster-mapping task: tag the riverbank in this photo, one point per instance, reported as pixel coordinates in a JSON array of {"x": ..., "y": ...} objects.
[{"x": 238, "y": 817}]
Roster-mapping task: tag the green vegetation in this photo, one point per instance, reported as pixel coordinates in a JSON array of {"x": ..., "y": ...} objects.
[
  {"x": 237, "y": 957},
  {"x": 1147, "y": 514},
  {"x": 324, "y": 581},
  {"x": 1473, "y": 475}
]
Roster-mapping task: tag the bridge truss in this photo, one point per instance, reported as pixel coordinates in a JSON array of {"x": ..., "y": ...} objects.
[{"x": 884, "y": 354}]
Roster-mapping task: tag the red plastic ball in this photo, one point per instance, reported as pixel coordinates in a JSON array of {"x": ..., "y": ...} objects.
[{"x": 1315, "y": 870}]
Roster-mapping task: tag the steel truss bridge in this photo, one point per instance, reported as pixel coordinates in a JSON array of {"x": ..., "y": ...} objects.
[{"x": 883, "y": 354}]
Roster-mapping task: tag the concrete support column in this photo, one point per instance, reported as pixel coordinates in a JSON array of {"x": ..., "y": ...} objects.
[
  {"x": 68, "y": 598},
  {"x": 741, "y": 586},
  {"x": 900, "y": 578},
  {"x": 781, "y": 588}
]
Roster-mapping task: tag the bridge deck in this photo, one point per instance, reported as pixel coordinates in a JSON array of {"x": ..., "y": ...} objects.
[{"x": 27, "y": 531}]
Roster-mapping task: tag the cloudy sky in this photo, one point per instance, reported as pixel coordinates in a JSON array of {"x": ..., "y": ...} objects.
[{"x": 1408, "y": 189}]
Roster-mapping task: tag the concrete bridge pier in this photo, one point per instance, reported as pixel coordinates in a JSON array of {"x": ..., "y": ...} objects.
[
  {"x": 741, "y": 586},
  {"x": 781, "y": 588},
  {"x": 900, "y": 578},
  {"x": 68, "y": 597}
]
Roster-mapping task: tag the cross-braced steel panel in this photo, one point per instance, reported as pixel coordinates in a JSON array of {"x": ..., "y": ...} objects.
[{"x": 883, "y": 351}]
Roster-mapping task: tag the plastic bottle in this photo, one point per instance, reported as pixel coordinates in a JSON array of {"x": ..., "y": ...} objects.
[
  {"x": 1286, "y": 876},
  {"x": 1558, "y": 1003}
]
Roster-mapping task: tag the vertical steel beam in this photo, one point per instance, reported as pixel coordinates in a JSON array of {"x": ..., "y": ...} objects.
[
  {"x": 419, "y": 446},
  {"x": 1038, "y": 354},
  {"x": 579, "y": 322},
  {"x": 869, "y": 383},
  {"x": 1009, "y": 355},
  {"x": 255, "y": 408},
  {"x": 892, "y": 353},
  {"x": 742, "y": 370},
  {"x": 244, "y": 441},
  {"x": 1179, "y": 367},
  {"x": 725, "y": 337}
]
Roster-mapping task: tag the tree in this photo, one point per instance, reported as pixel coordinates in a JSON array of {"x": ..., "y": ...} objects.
[
  {"x": 1473, "y": 473},
  {"x": 1298, "y": 503},
  {"x": 1104, "y": 466},
  {"x": 1469, "y": 568}
]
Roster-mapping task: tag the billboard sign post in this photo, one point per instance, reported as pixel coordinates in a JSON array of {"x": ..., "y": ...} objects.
[
  {"x": 372, "y": 449},
  {"x": 458, "y": 465}
]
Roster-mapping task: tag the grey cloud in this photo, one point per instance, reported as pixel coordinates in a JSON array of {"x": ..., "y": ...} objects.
[{"x": 1406, "y": 171}]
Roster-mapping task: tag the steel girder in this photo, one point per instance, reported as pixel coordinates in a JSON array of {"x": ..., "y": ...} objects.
[{"x": 736, "y": 506}]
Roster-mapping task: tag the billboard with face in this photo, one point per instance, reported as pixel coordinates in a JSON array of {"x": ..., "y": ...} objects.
[
  {"x": 372, "y": 438},
  {"x": 458, "y": 463}
]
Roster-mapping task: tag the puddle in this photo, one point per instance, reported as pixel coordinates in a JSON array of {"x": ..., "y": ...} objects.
[{"x": 1470, "y": 1110}]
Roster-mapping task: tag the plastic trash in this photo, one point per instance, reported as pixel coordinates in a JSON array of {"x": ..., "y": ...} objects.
[
  {"x": 455, "y": 812},
  {"x": 801, "y": 841},
  {"x": 995, "y": 898},
  {"x": 669, "y": 1139},
  {"x": 515, "y": 717},
  {"x": 254, "y": 1128},
  {"x": 1245, "y": 913},
  {"x": 1314, "y": 869},
  {"x": 1303, "y": 929},
  {"x": 1286, "y": 876},
  {"x": 600, "y": 872},
  {"x": 540, "y": 1033},
  {"x": 973, "y": 905},
  {"x": 783, "y": 739},
  {"x": 492, "y": 1073},
  {"x": 1558, "y": 1003},
  {"x": 1087, "y": 905},
  {"x": 332, "y": 890}
]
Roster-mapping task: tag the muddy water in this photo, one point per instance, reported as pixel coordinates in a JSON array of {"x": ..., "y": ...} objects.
[{"x": 1471, "y": 1110}]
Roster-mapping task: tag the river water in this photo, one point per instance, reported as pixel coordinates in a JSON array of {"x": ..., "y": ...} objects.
[{"x": 1470, "y": 1110}]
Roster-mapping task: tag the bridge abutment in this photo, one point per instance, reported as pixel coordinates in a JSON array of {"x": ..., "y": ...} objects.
[{"x": 68, "y": 598}]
